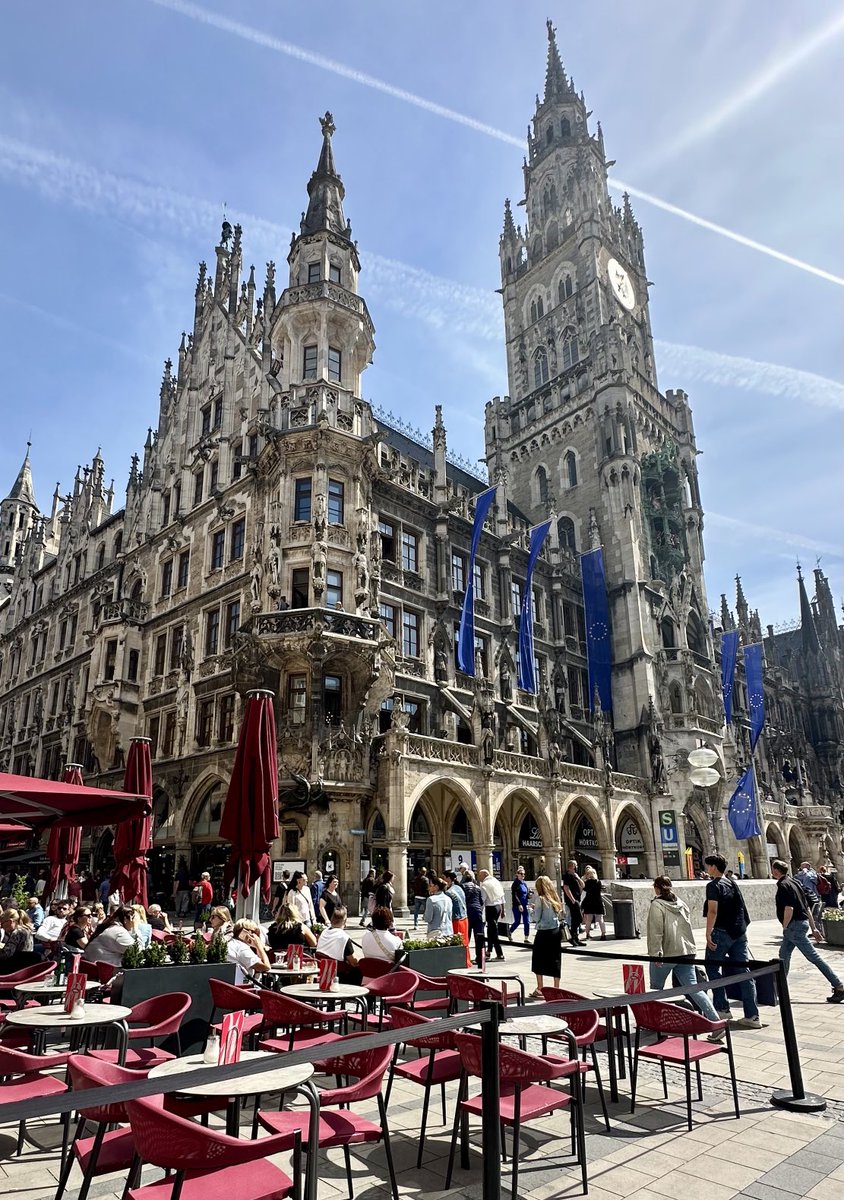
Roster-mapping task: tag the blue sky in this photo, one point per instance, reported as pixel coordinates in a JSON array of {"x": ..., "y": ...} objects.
[{"x": 126, "y": 124}]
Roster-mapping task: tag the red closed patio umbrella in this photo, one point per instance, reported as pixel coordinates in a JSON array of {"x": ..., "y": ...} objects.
[
  {"x": 64, "y": 845},
  {"x": 133, "y": 838},
  {"x": 250, "y": 813},
  {"x": 43, "y": 802}
]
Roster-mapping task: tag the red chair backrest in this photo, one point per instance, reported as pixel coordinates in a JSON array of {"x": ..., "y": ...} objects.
[
  {"x": 87, "y": 1073},
  {"x": 233, "y": 997},
  {"x": 284, "y": 1010},
  {"x": 661, "y": 1017},
  {"x": 158, "y": 935},
  {"x": 159, "y": 1016},
  {"x": 34, "y": 974},
  {"x": 582, "y": 1024},
  {"x": 463, "y": 987},
  {"x": 105, "y": 971},
  {"x": 374, "y": 968},
  {"x": 400, "y": 985},
  {"x": 165, "y": 1140},
  {"x": 18, "y": 1062},
  {"x": 89, "y": 969},
  {"x": 407, "y": 1018},
  {"x": 433, "y": 983},
  {"x": 367, "y": 1067},
  {"x": 516, "y": 1067}
]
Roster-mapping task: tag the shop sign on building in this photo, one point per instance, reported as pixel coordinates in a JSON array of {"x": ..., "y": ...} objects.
[
  {"x": 529, "y": 836},
  {"x": 585, "y": 838},
  {"x": 630, "y": 839}
]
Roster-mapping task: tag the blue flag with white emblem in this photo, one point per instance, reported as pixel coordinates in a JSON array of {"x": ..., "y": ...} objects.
[
  {"x": 729, "y": 652},
  {"x": 527, "y": 667},
  {"x": 597, "y": 615},
  {"x": 755, "y": 691},
  {"x": 466, "y": 630},
  {"x": 742, "y": 808}
]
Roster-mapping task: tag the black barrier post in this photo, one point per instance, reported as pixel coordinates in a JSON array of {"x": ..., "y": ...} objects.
[
  {"x": 490, "y": 1103},
  {"x": 797, "y": 1100}
]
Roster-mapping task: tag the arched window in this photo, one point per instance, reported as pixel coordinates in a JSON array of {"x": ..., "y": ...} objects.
[
  {"x": 695, "y": 635},
  {"x": 508, "y": 265},
  {"x": 549, "y": 134},
  {"x": 540, "y": 367},
  {"x": 420, "y": 830},
  {"x": 571, "y": 469},
  {"x": 118, "y": 544},
  {"x": 461, "y": 830},
  {"x": 552, "y": 237},
  {"x": 207, "y": 823},
  {"x": 379, "y": 829},
  {"x": 570, "y": 352},
  {"x": 549, "y": 200},
  {"x": 537, "y": 249},
  {"x": 537, "y": 309},
  {"x": 565, "y": 532},
  {"x": 566, "y": 288},
  {"x": 565, "y": 127},
  {"x": 675, "y": 696},
  {"x": 541, "y": 485},
  {"x": 666, "y": 629}
]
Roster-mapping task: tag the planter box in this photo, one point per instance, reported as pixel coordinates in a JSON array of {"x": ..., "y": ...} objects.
[
  {"x": 439, "y": 960},
  {"x": 142, "y": 983},
  {"x": 833, "y": 932}
]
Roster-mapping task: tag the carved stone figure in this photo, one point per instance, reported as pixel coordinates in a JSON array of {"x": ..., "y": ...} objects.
[
  {"x": 657, "y": 763},
  {"x": 255, "y": 580},
  {"x": 274, "y": 560},
  {"x": 487, "y": 739},
  {"x": 361, "y": 580},
  {"x": 554, "y": 757},
  {"x": 319, "y": 558},
  {"x": 187, "y": 651},
  {"x": 319, "y": 516},
  {"x": 506, "y": 681}
]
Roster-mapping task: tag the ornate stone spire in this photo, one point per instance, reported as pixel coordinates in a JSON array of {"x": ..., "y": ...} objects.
[
  {"x": 326, "y": 191},
  {"x": 509, "y": 224},
  {"x": 556, "y": 83},
  {"x": 808, "y": 632},
  {"x": 23, "y": 489}
]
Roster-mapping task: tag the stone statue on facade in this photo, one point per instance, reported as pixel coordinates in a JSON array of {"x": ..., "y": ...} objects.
[
  {"x": 319, "y": 558},
  {"x": 187, "y": 662},
  {"x": 505, "y": 679},
  {"x": 657, "y": 761},
  {"x": 256, "y": 577},
  {"x": 319, "y": 516},
  {"x": 274, "y": 561},
  {"x": 488, "y": 739},
  {"x": 361, "y": 568}
]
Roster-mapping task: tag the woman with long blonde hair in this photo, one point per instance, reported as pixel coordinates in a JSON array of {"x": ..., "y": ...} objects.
[
  {"x": 592, "y": 906},
  {"x": 546, "y": 958}
]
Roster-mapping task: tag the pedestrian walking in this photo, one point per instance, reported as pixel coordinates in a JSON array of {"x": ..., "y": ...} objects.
[
  {"x": 299, "y": 898},
  {"x": 798, "y": 924},
  {"x": 280, "y": 894},
  {"x": 367, "y": 897},
  {"x": 493, "y": 911},
  {"x": 317, "y": 888},
  {"x": 438, "y": 909},
  {"x": 727, "y": 920},
  {"x": 573, "y": 892},
  {"x": 829, "y": 888},
  {"x": 459, "y": 912},
  {"x": 203, "y": 897},
  {"x": 592, "y": 906},
  {"x": 670, "y": 936},
  {"x": 385, "y": 891},
  {"x": 419, "y": 892},
  {"x": 546, "y": 956},
  {"x": 807, "y": 877},
  {"x": 475, "y": 914},
  {"x": 519, "y": 893},
  {"x": 181, "y": 889}
]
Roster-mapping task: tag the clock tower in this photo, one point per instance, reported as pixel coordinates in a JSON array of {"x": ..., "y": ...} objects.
[{"x": 586, "y": 436}]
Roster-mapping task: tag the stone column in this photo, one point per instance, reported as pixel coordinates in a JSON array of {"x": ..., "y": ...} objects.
[
  {"x": 607, "y": 865},
  {"x": 554, "y": 866},
  {"x": 397, "y": 850},
  {"x": 483, "y": 854}
]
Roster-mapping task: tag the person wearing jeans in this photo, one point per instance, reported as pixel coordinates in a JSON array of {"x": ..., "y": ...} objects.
[
  {"x": 794, "y": 911},
  {"x": 726, "y": 940},
  {"x": 670, "y": 934},
  {"x": 519, "y": 892}
]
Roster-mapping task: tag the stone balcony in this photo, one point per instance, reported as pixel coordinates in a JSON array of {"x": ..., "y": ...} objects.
[{"x": 321, "y": 622}]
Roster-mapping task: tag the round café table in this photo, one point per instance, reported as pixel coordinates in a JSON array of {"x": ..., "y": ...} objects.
[
  {"x": 281, "y": 975},
  {"x": 50, "y": 991},
  {"x": 536, "y": 1026},
  {"x": 50, "y": 1016},
  {"x": 311, "y": 993}
]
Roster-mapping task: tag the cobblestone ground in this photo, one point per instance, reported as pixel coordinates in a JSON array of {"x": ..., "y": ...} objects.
[{"x": 768, "y": 1154}]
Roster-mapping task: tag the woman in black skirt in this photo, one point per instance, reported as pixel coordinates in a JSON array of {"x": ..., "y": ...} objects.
[
  {"x": 547, "y": 943},
  {"x": 592, "y": 906}
]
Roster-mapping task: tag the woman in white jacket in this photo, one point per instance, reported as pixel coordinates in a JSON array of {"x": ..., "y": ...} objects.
[{"x": 670, "y": 935}]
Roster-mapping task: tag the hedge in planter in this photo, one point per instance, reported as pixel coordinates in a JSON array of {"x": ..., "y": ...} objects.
[
  {"x": 833, "y": 926},
  {"x": 431, "y": 957}
]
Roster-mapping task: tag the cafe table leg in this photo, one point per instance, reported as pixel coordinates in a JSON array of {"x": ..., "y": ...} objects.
[
  {"x": 121, "y": 1030},
  {"x": 310, "y": 1093},
  {"x": 233, "y": 1117},
  {"x": 609, "y": 1022}
]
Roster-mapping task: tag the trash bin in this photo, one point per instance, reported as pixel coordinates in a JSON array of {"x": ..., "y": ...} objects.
[{"x": 624, "y": 919}]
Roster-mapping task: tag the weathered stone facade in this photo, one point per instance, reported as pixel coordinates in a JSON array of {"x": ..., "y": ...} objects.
[{"x": 280, "y": 533}]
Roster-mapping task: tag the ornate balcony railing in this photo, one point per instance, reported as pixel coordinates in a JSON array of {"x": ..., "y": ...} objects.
[{"x": 306, "y": 620}]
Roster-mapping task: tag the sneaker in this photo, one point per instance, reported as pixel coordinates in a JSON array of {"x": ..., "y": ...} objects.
[
  {"x": 837, "y": 997},
  {"x": 748, "y": 1023},
  {"x": 717, "y": 1035},
  {"x": 724, "y": 1014}
]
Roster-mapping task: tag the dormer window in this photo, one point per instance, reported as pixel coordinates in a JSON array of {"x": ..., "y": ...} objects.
[
  {"x": 335, "y": 363},
  {"x": 314, "y": 272},
  {"x": 335, "y": 274},
  {"x": 309, "y": 362}
]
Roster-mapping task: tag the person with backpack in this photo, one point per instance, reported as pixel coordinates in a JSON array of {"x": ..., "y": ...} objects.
[
  {"x": 202, "y": 897},
  {"x": 807, "y": 877},
  {"x": 727, "y": 920},
  {"x": 828, "y": 887},
  {"x": 794, "y": 913}
]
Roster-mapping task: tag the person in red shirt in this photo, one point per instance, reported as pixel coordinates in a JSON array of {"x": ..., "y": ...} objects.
[{"x": 204, "y": 897}]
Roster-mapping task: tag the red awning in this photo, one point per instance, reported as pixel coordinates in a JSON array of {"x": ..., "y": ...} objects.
[{"x": 42, "y": 802}]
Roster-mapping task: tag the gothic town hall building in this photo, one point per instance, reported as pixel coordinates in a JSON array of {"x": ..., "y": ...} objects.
[{"x": 278, "y": 532}]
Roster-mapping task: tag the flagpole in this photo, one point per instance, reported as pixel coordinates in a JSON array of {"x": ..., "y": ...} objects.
[{"x": 760, "y": 823}]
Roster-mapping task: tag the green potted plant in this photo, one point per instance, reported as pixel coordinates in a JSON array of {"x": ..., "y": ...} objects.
[
  {"x": 179, "y": 950},
  {"x": 133, "y": 957},
  {"x": 218, "y": 950},
  {"x": 199, "y": 950},
  {"x": 155, "y": 955},
  {"x": 432, "y": 956},
  {"x": 833, "y": 926}
]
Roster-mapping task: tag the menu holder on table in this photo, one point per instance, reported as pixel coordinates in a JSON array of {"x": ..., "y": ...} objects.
[
  {"x": 231, "y": 1038},
  {"x": 634, "y": 978},
  {"x": 327, "y": 974}
]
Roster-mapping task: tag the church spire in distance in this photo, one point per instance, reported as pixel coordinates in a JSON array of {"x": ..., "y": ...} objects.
[
  {"x": 23, "y": 489},
  {"x": 556, "y": 82},
  {"x": 326, "y": 191}
]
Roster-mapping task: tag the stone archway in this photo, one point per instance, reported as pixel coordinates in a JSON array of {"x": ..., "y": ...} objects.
[
  {"x": 523, "y": 836},
  {"x": 800, "y": 848},
  {"x": 632, "y": 838},
  {"x": 453, "y": 820},
  {"x": 774, "y": 836},
  {"x": 584, "y": 836}
]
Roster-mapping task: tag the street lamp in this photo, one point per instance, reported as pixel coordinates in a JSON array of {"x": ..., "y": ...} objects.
[{"x": 704, "y": 775}]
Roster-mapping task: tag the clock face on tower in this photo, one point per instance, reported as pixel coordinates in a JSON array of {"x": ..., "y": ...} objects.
[{"x": 621, "y": 285}]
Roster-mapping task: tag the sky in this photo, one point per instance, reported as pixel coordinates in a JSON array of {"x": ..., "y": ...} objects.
[{"x": 128, "y": 127}]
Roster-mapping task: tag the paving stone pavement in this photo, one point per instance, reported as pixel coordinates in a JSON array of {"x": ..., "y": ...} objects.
[{"x": 769, "y": 1154}]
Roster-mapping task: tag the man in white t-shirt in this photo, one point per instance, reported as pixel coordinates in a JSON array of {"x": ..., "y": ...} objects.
[
  {"x": 335, "y": 942},
  {"x": 493, "y": 909},
  {"x": 51, "y": 927},
  {"x": 246, "y": 949}
]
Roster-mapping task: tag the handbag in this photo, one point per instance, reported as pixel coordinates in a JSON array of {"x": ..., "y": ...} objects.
[{"x": 766, "y": 988}]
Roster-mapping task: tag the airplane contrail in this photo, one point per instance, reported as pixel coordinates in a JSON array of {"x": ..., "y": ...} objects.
[{"x": 268, "y": 42}]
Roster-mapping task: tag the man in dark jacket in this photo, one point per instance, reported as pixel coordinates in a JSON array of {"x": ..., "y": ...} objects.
[
  {"x": 519, "y": 891},
  {"x": 794, "y": 912},
  {"x": 476, "y": 915}
]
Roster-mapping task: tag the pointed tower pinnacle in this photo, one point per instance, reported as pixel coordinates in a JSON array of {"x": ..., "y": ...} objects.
[
  {"x": 326, "y": 191},
  {"x": 808, "y": 632},
  {"x": 509, "y": 224},
  {"x": 742, "y": 610},
  {"x": 556, "y": 83},
  {"x": 727, "y": 622},
  {"x": 23, "y": 489}
]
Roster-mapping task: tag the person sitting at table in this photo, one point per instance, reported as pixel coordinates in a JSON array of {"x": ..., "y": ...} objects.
[
  {"x": 246, "y": 949},
  {"x": 438, "y": 909},
  {"x": 78, "y": 932},
  {"x": 143, "y": 929},
  {"x": 335, "y": 943},
  {"x": 34, "y": 911},
  {"x": 110, "y": 940},
  {"x": 380, "y": 941},
  {"x": 287, "y": 930},
  {"x": 16, "y": 951},
  {"x": 50, "y": 929},
  {"x": 158, "y": 919},
  {"x": 221, "y": 922}
]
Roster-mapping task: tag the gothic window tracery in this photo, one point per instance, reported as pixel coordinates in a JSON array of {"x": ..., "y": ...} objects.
[
  {"x": 570, "y": 469},
  {"x": 565, "y": 127},
  {"x": 540, "y": 367},
  {"x": 541, "y": 485},
  {"x": 565, "y": 289},
  {"x": 566, "y": 534},
  {"x": 570, "y": 351}
]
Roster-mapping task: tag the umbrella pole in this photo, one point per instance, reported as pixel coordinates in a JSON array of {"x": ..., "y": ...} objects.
[{"x": 249, "y": 908}]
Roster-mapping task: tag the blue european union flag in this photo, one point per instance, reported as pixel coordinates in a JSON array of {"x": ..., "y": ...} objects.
[
  {"x": 742, "y": 808},
  {"x": 597, "y": 614},
  {"x": 466, "y": 629},
  {"x": 755, "y": 691},
  {"x": 527, "y": 668},
  {"x": 729, "y": 652}
]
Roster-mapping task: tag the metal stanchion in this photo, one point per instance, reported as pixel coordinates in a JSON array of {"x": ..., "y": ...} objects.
[
  {"x": 797, "y": 1099},
  {"x": 490, "y": 1101}
]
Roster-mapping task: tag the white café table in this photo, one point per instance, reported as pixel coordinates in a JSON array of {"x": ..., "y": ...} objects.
[
  {"x": 51, "y": 1016},
  {"x": 311, "y": 993},
  {"x": 51, "y": 991}
]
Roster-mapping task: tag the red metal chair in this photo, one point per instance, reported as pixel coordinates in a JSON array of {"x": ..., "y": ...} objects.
[
  {"x": 585, "y": 1026},
  {"x": 24, "y": 1078},
  {"x": 158, "y": 1017},
  {"x": 399, "y": 987},
  {"x": 441, "y": 1065},
  {"x": 305, "y": 1024},
  {"x": 108, "y": 1150},
  {"x": 432, "y": 983},
  {"x": 524, "y": 1096},
  {"x": 344, "y": 1127},
  {"x": 37, "y": 973},
  {"x": 472, "y": 991},
  {"x": 677, "y": 1029},
  {"x": 208, "y": 1165},
  {"x": 374, "y": 968},
  {"x": 230, "y": 997},
  {"x": 105, "y": 972},
  {"x": 602, "y": 1034}
]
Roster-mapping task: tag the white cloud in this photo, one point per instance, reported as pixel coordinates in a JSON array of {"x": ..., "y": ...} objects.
[{"x": 740, "y": 528}]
